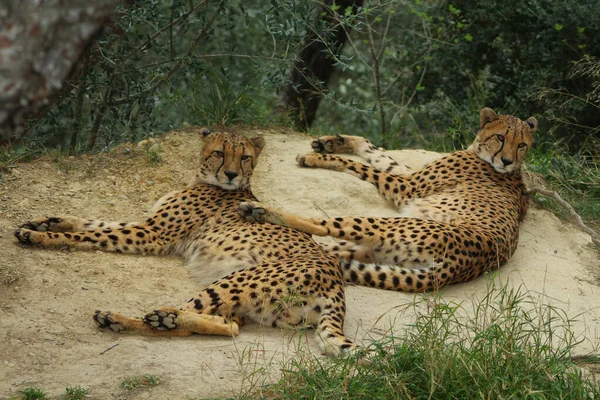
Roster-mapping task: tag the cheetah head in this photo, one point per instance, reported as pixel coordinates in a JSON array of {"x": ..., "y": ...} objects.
[
  {"x": 503, "y": 140},
  {"x": 228, "y": 159}
]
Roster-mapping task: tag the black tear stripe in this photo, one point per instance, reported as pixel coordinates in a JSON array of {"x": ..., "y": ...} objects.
[
  {"x": 218, "y": 169},
  {"x": 242, "y": 172},
  {"x": 517, "y": 153},
  {"x": 496, "y": 153}
]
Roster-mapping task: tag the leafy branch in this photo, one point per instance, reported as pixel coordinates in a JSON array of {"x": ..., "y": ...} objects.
[{"x": 176, "y": 67}]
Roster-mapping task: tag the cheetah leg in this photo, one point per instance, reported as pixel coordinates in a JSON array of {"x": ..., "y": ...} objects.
[
  {"x": 167, "y": 321},
  {"x": 259, "y": 294},
  {"x": 363, "y": 148},
  {"x": 390, "y": 186},
  {"x": 349, "y": 251},
  {"x": 70, "y": 223},
  {"x": 337, "y": 227},
  {"x": 134, "y": 239},
  {"x": 420, "y": 254},
  {"x": 330, "y": 328}
]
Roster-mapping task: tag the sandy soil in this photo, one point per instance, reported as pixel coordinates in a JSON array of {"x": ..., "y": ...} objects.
[{"x": 47, "y": 335}]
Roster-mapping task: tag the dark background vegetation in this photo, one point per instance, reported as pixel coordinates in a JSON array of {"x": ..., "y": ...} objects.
[{"x": 405, "y": 73}]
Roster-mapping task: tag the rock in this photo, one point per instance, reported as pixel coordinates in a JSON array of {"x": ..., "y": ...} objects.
[{"x": 24, "y": 203}]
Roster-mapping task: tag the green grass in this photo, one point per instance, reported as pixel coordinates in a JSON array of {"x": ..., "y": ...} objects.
[
  {"x": 34, "y": 393},
  {"x": 506, "y": 346},
  {"x": 153, "y": 157},
  {"x": 31, "y": 393},
  {"x": 74, "y": 393},
  {"x": 139, "y": 382}
]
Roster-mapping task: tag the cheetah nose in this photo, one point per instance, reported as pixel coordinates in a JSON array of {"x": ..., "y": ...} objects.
[
  {"x": 506, "y": 161},
  {"x": 231, "y": 175}
]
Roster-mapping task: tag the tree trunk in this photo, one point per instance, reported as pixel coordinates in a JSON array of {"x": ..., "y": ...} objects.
[
  {"x": 300, "y": 99},
  {"x": 40, "y": 42}
]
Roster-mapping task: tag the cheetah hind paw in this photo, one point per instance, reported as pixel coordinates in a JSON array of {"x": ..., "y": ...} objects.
[
  {"x": 307, "y": 160},
  {"x": 253, "y": 212},
  {"x": 161, "y": 320},
  {"x": 105, "y": 320},
  {"x": 43, "y": 224},
  {"x": 331, "y": 144},
  {"x": 24, "y": 236}
]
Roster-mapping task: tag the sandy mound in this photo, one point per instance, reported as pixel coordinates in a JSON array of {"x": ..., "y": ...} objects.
[{"x": 49, "y": 338}]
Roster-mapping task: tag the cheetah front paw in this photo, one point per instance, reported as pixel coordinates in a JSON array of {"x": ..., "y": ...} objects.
[
  {"x": 252, "y": 211},
  {"x": 317, "y": 160},
  {"x": 24, "y": 236},
  {"x": 105, "y": 320},
  {"x": 45, "y": 224},
  {"x": 307, "y": 160},
  {"x": 161, "y": 320},
  {"x": 331, "y": 144}
]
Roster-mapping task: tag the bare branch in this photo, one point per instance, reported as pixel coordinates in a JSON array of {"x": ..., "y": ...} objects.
[
  {"x": 100, "y": 114},
  {"x": 172, "y": 24},
  {"x": 553, "y": 195}
]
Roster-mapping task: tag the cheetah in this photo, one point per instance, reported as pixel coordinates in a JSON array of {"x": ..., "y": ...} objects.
[
  {"x": 275, "y": 275},
  {"x": 459, "y": 215}
]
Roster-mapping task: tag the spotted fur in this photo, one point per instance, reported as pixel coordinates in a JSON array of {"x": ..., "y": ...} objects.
[
  {"x": 459, "y": 215},
  {"x": 272, "y": 275}
]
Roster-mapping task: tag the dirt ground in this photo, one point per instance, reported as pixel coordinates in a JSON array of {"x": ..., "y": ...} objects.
[{"x": 48, "y": 338}]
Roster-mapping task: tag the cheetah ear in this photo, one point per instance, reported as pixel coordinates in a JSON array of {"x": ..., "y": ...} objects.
[
  {"x": 486, "y": 115},
  {"x": 259, "y": 143},
  {"x": 533, "y": 123},
  {"x": 205, "y": 132}
]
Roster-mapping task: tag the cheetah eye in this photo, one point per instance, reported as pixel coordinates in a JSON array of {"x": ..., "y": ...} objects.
[
  {"x": 245, "y": 157},
  {"x": 220, "y": 154},
  {"x": 500, "y": 138},
  {"x": 522, "y": 145}
]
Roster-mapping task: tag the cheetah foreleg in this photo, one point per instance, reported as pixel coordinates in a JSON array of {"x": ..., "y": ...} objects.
[
  {"x": 390, "y": 186},
  {"x": 70, "y": 223},
  {"x": 167, "y": 321},
  {"x": 349, "y": 251},
  {"x": 363, "y": 148},
  {"x": 257, "y": 212},
  {"x": 124, "y": 240}
]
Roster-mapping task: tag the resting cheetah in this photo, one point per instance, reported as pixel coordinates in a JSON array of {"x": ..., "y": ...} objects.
[
  {"x": 459, "y": 215},
  {"x": 287, "y": 279}
]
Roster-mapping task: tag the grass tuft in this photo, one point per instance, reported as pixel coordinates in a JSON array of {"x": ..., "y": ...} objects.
[
  {"x": 9, "y": 275},
  {"x": 139, "y": 382},
  {"x": 31, "y": 393},
  {"x": 507, "y": 345},
  {"x": 74, "y": 393}
]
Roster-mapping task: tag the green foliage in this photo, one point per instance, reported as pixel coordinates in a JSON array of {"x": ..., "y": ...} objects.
[
  {"x": 164, "y": 62},
  {"x": 441, "y": 62},
  {"x": 507, "y": 345},
  {"x": 412, "y": 74}
]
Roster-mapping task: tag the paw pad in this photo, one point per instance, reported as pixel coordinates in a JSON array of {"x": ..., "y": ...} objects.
[
  {"x": 161, "y": 320},
  {"x": 305, "y": 160},
  {"x": 322, "y": 147},
  {"x": 105, "y": 320},
  {"x": 23, "y": 236},
  {"x": 251, "y": 211}
]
